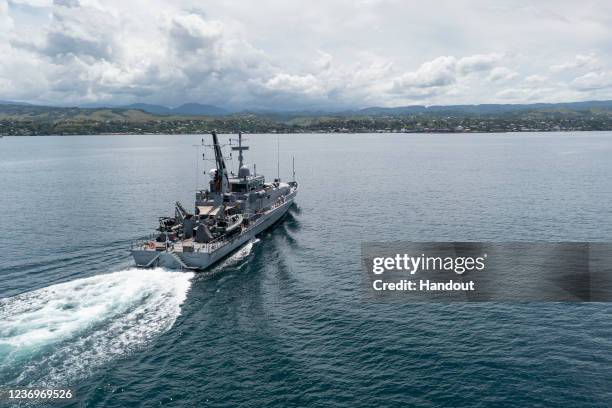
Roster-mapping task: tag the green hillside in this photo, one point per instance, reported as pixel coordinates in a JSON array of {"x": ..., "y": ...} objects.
[{"x": 48, "y": 120}]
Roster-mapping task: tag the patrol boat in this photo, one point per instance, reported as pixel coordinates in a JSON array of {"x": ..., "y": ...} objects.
[{"x": 229, "y": 214}]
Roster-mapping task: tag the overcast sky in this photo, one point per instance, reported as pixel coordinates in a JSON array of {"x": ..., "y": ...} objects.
[{"x": 310, "y": 54}]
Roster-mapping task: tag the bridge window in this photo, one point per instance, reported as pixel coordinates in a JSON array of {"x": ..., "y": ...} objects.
[{"x": 239, "y": 188}]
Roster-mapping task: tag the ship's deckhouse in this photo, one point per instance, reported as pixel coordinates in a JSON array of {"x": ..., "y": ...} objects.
[{"x": 244, "y": 185}]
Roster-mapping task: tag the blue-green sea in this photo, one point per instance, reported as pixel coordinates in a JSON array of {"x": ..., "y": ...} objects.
[{"x": 282, "y": 322}]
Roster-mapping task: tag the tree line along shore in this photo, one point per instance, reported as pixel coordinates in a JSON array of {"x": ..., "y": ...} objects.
[{"x": 34, "y": 120}]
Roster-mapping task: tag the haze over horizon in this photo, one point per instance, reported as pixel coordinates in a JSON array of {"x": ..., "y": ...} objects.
[{"x": 277, "y": 55}]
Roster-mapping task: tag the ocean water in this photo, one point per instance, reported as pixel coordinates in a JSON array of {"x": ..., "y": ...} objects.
[{"x": 282, "y": 321}]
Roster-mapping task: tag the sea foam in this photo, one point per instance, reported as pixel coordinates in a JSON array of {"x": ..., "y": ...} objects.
[
  {"x": 235, "y": 259},
  {"x": 63, "y": 331}
]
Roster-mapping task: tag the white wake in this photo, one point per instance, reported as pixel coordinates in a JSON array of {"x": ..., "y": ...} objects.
[
  {"x": 243, "y": 251},
  {"x": 64, "y": 331},
  {"x": 235, "y": 260}
]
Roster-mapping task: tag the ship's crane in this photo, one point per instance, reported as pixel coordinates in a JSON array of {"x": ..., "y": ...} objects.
[
  {"x": 221, "y": 181},
  {"x": 180, "y": 213}
]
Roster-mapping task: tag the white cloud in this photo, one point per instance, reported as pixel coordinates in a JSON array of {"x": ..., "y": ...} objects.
[
  {"x": 579, "y": 61},
  {"x": 34, "y": 3},
  {"x": 499, "y": 74},
  {"x": 192, "y": 33},
  {"x": 436, "y": 73},
  {"x": 299, "y": 84},
  {"x": 439, "y": 75},
  {"x": 6, "y": 22},
  {"x": 534, "y": 79},
  {"x": 242, "y": 55},
  {"x": 521, "y": 94},
  {"x": 593, "y": 81},
  {"x": 480, "y": 62}
]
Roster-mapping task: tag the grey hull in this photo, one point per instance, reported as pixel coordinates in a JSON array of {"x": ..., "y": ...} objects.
[{"x": 202, "y": 260}]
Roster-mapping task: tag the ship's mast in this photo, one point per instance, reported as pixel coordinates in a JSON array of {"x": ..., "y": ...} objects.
[{"x": 240, "y": 148}]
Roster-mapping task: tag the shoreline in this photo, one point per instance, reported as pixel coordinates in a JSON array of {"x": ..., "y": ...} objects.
[{"x": 229, "y": 132}]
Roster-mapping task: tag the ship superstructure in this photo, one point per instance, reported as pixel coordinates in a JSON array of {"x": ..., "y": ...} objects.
[{"x": 232, "y": 211}]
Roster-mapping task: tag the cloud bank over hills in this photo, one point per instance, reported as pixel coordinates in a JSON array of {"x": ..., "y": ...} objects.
[{"x": 278, "y": 55}]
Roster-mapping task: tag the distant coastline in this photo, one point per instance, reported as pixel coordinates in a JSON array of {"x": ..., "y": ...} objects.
[{"x": 34, "y": 120}]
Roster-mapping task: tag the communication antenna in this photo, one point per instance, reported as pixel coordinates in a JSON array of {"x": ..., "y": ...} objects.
[
  {"x": 293, "y": 166},
  {"x": 277, "y": 158},
  {"x": 197, "y": 176}
]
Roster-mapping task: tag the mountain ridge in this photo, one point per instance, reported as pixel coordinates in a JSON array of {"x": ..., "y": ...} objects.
[
  {"x": 186, "y": 109},
  {"x": 16, "y": 119},
  {"x": 197, "y": 109}
]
